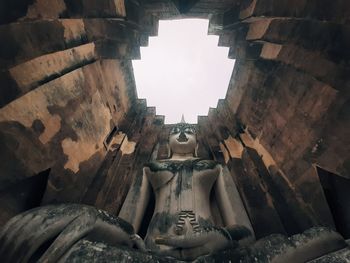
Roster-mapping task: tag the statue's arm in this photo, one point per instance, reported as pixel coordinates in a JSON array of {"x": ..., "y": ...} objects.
[
  {"x": 229, "y": 201},
  {"x": 136, "y": 201},
  {"x": 61, "y": 226}
]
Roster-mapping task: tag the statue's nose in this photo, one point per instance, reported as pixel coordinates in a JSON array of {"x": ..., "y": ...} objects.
[{"x": 182, "y": 137}]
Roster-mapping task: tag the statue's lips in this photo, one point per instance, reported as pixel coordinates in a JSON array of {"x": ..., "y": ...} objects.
[{"x": 182, "y": 139}]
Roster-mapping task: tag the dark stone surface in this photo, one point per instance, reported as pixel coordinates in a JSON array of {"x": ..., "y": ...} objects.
[
  {"x": 293, "y": 212},
  {"x": 262, "y": 214},
  {"x": 10, "y": 90},
  {"x": 336, "y": 189},
  {"x": 12, "y": 10},
  {"x": 22, "y": 154},
  {"x": 23, "y": 195}
]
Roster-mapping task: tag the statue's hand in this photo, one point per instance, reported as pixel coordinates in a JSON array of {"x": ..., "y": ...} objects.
[
  {"x": 208, "y": 241},
  {"x": 63, "y": 225}
]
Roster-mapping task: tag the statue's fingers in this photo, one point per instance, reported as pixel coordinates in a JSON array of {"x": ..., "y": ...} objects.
[
  {"x": 24, "y": 234},
  {"x": 10, "y": 224},
  {"x": 51, "y": 226},
  {"x": 78, "y": 228},
  {"x": 7, "y": 242},
  {"x": 187, "y": 241},
  {"x": 6, "y": 228},
  {"x": 18, "y": 226},
  {"x": 34, "y": 237},
  {"x": 39, "y": 226},
  {"x": 26, "y": 231},
  {"x": 14, "y": 219},
  {"x": 36, "y": 227}
]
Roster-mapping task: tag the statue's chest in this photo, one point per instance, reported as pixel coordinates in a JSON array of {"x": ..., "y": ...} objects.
[
  {"x": 182, "y": 189},
  {"x": 184, "y": 175}
]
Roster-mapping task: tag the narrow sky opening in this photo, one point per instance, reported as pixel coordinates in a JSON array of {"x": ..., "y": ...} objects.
[{"x": 183, "y": 71}]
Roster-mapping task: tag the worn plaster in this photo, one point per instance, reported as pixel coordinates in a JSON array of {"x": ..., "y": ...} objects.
[
  {"x": 127, "y": 147},
  {"x": 235, "y": 147},
  {"x": 120, "y": 7},
  {"x": 258, "y": 29},
  {"x": 270, "y": 51},
  {"x": 87, "y": 143},
  {"x": 73, "y": 29}
]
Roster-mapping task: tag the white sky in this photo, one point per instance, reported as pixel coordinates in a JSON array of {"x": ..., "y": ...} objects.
[{"x": 183, "y": 71}]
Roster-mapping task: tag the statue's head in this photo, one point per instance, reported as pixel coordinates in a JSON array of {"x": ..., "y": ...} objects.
[{"x": 182, "y": 139}]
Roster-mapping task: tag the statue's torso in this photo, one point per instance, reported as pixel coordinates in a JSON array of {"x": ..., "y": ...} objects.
[{"x": 182, "y": 192}]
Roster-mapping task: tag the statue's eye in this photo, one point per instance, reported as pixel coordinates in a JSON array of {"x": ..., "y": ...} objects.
[
  {"x": 175, "y": 130},
  {"x": 189, "y": 131}
]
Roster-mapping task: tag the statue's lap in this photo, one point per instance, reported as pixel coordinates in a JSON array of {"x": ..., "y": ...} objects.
[{"x": 314, "y": 243}]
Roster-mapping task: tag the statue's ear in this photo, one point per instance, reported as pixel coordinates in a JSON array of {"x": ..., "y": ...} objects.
[{"x": 169, "y": 151}]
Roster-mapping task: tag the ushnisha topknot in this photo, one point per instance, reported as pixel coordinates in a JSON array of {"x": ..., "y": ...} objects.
[{"x": 182, "y": 125}]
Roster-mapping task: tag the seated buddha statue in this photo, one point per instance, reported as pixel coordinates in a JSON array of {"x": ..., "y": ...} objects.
[
  {"x": 186, "y": 223},
  {"x": 183, "y": 224}
]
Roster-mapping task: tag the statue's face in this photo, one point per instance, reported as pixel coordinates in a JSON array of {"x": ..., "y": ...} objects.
[{"x": 182, "y": 139}]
